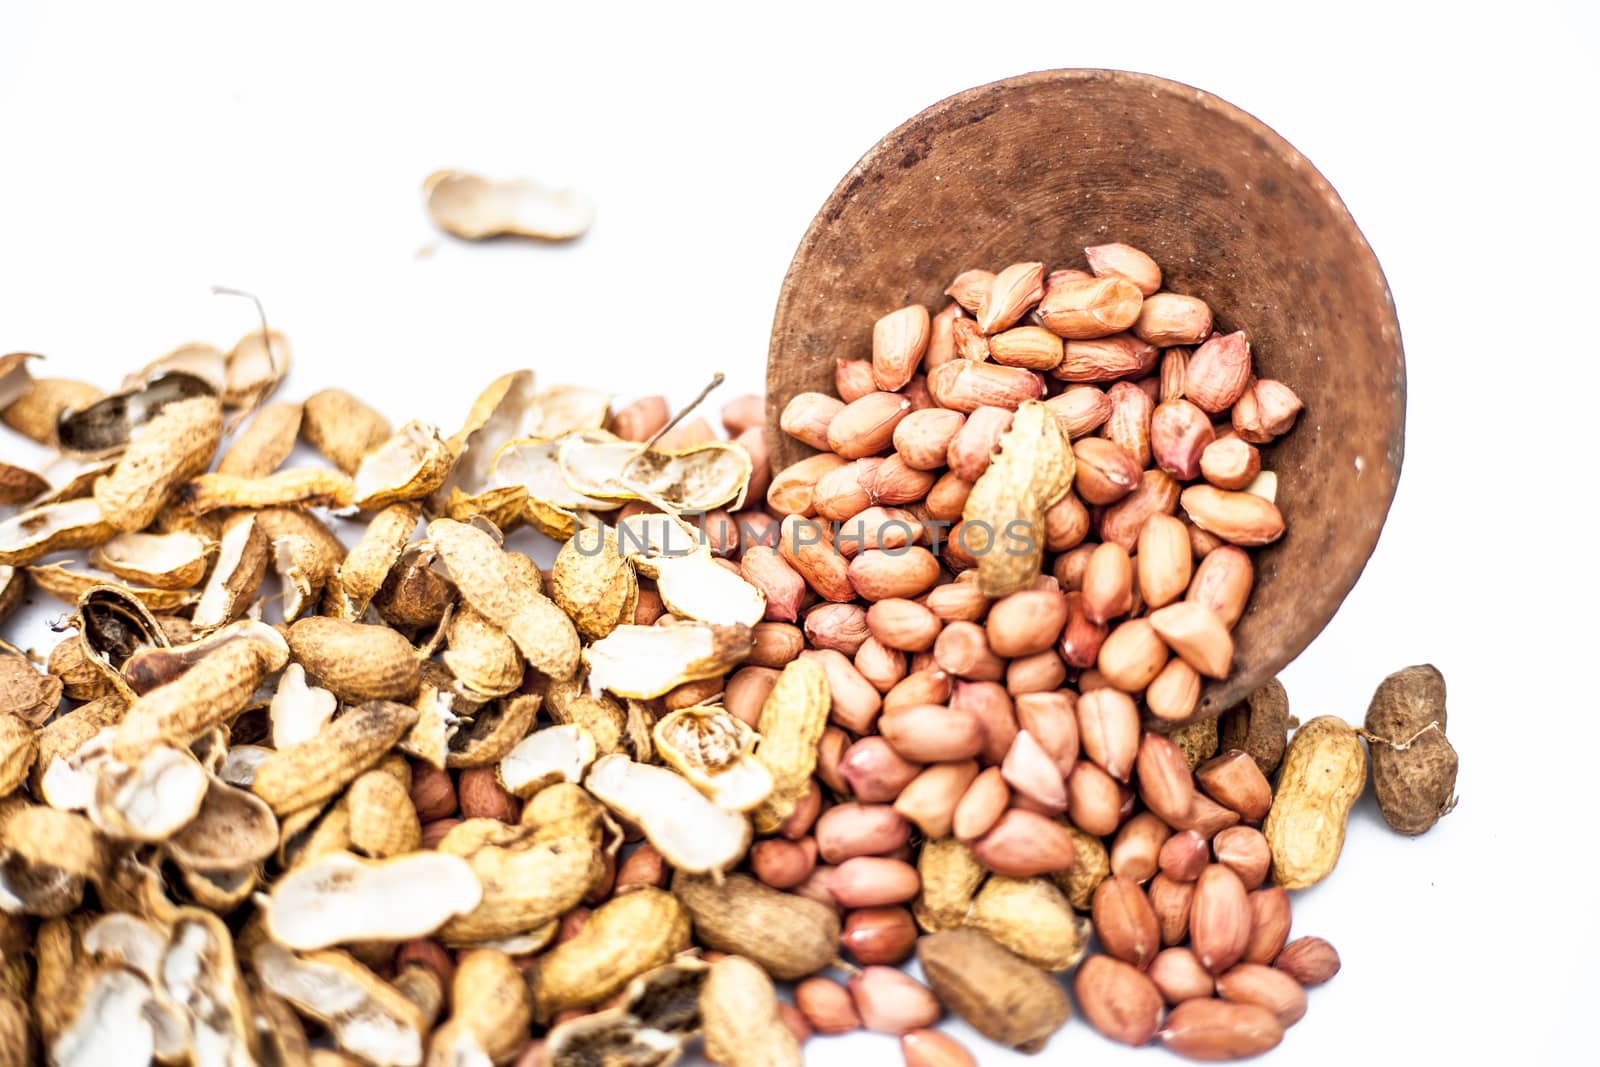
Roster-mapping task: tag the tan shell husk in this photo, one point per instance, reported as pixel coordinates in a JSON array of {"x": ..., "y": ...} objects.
[
  {"x": 18, "y": 485},
  {"x": 33, "y": 534},
  {"x": 950, "y": 875},
  {"x": 481, "y": 656},
  {"x": 160, "y": 663},
  {"x": 207, "y": 695},
  {"x": 174, "y": 560},
  {"x": 1033, "y": 919},
  {"x": 312, "y": 771},
  {"x": 372, "y": 1020},
  {"x": 553, "y": 754},
  {"x": 495, "y": 729},
  {"x": 265, "y": 442},
  {"x": 601, "y": 715},
  {"x": 793, "y": 718},
  {"x": 162, "y": 454},
  {"x": 256, "y": 364},
  {"x": 371, "y": 559},
  {"x": 647, "y": 661},
  {"x": 339, "y": 898},
  {"x": 712, "y": 749},
  {"x": 468, "y": 206},
  {"x": 593, "y": 584},
  {"x": 624, "y": 938},
  {"x": 699, "y": 478},
  {"x": 356, "y": 661},
  {"x": 68, "y": 585},
  {"x": 236, "y": 576},
  {"x": 690, "y": 582},
  {"x": 294, "y": 487},
  {"x": 1002, "y": 996},
  {"x": 36, "y": 413},
  {"x": 503, "y": 592},
  {"x": 529, "y": 880},
  {"x": 408, "y": 466},
  {"x": 1323, "y": 774},
  {"x": 27, "y": 692},
  {"x": 743, "y": 1026},
  {"x": 790, "y": 936},
  {"x": 342, "y": 427},
  {"x": 690, "y": 831},
  {"x": 1032, "y": 470},
  {"x": 233, "y": 829}
]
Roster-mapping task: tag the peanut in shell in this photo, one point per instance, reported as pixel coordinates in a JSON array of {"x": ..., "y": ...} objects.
[
  {"x": 1033, "y": 470},
  {"x": 790, "y": 936},
  {"x": 624, "y": 938},
  {"x": 1324, "y": 771},
  {"x": 301, "y": 775},
  {"x": 1002, "y": 996},
  {"x": 355, "y": 661},
  {"x": 164, "y": 453}
]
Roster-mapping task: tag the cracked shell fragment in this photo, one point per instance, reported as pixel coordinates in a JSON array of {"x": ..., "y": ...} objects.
[
  {"x": 533, "y": 465},
  {"x": 153, "y": 799},
  {"x": 366, "y": 1016},
  {"x": 255, "y": 366},
  {"x": 108, "y": 424},
  {"x": 233, "y": 829},
  {"x": 296, "y": 487},
  {"x": 498, "y": 415},
  {"x": 299, "y": 710},
  {"x": 339, "y": 898},
  {"x": 647, "y": 661},
  {"x": 49, "y": 528},
  {"x": 712, "y": 749},
  {"x": 499, "y": 589},
  {"x": 68, "y": 585},
  {"x": 174, "y": 560},
  {"x": 18, "y": 485},
  {"x": 700, "y": 478},
  {"x": 468, "y": 206},
  {"x": 685, "y": 826},
  {"x": 553, "y": 754},
  {"x": 408, "y": 466},
  {"x": 690, "y": 582}
]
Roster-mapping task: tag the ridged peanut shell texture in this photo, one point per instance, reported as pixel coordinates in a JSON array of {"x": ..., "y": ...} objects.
[
  {"x": 1323, "y": 773},
  {"x": 1413, "y": 764},
  {"x": 966, "y": 184}
]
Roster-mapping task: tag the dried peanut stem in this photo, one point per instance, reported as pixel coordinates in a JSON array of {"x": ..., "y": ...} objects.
[{"x": 1398, "y": 746}]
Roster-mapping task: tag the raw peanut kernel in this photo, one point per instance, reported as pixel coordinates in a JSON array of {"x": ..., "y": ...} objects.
[
  {"x": 1308, "y": 960},
  {"x": 1105, "y": 472},
  {"x": 923, "y": 437},
  {"x": 1026, "y": 346},
  {"x": 899, "y": 340},
  {"x": 1179, "y": 434},
  {"x": 1125, "y": 923},
  {"x": 1010, "y": 293},
  {"x": 1230, "y": 462},
  {"x": 807, "y": 416},
  {"x": 1125, "y": 261},
  {"x": 866, "y": 426},
  {"x": 1218, "y": 372},
  {"x": 1208, "y": 1029},
  {"x": 1095, "y": 307},
  {"x": 1119, "y": 1000},
  {"x": 1166, "y": 319}
]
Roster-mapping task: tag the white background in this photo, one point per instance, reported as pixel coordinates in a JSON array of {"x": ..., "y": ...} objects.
[{"x": 150, "y": 151}]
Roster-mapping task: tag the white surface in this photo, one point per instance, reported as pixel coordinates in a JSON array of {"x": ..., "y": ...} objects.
[{"x": 151, "y": 151}]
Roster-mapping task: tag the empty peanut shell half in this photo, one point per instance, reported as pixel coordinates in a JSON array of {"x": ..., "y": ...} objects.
[{"x": 466, "y": 205}]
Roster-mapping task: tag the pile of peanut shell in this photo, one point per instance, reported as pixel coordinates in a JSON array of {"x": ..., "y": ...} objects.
[{"x": 278, "y": 799}]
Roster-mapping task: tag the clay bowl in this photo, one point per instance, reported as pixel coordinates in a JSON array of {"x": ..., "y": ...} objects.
[{"x": 1038, "y": 166}]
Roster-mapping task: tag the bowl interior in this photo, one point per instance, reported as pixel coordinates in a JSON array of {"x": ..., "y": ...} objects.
[{"x": 1039, "y": 166}]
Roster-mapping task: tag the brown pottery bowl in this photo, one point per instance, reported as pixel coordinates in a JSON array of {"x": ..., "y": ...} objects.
[{"x": 1037, "y": 167}]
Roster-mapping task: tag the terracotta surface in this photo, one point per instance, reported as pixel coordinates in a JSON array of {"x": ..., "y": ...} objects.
[{"x": 1037, "y": 167}]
